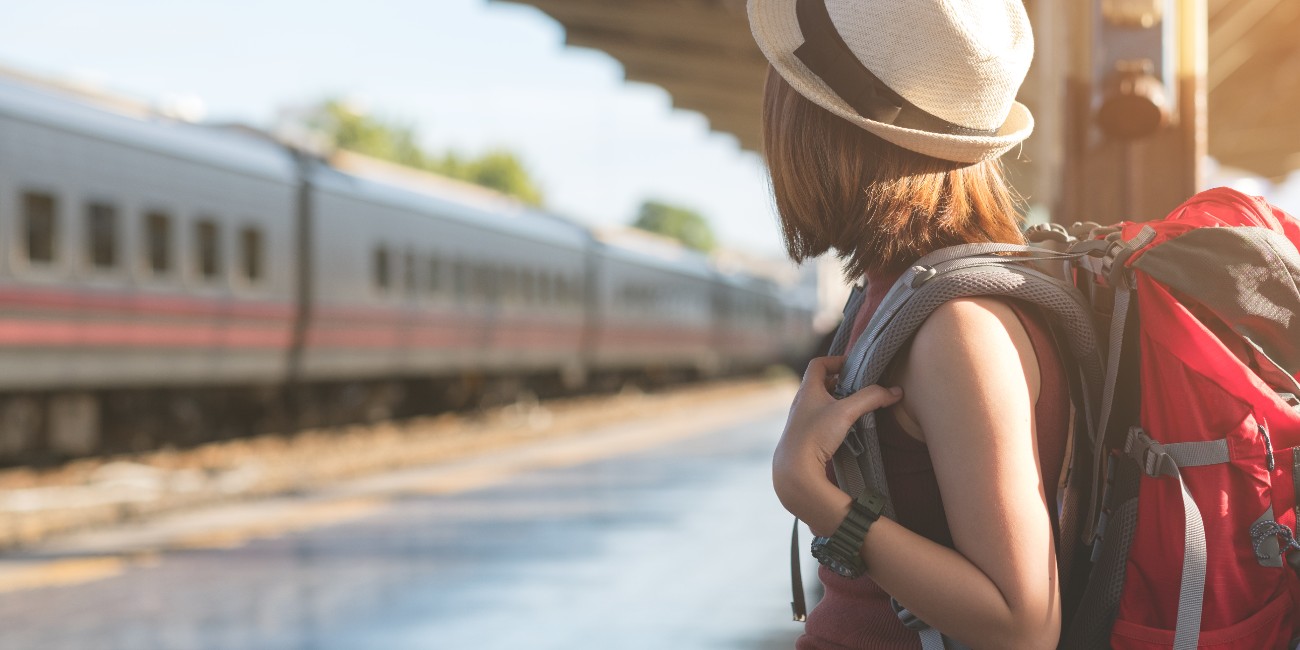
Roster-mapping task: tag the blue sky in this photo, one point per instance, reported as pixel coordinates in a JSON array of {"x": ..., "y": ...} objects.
[{"x": 471, "y": 75}]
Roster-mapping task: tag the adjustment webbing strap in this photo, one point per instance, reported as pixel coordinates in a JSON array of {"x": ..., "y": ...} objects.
[
  {"x": 1191, "y": 591},
  {"x": 1164, "y": 459},
  {"x": 798, "y": 604},
  {"x": 931, "y": 639},
  {"x": 1159, "y": 460},
  {"x": 1118, "y": 323},
  {"x": 848, "y": 472},
  {"x": 1295, "y": 479},
  {"x": 967, "y": 250}
]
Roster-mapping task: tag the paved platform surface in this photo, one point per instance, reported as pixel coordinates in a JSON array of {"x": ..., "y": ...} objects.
[{"x": 657, "y": 534}]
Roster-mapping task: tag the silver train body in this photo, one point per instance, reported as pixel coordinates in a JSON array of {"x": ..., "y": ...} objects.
[{"x": 157, "y": 267}]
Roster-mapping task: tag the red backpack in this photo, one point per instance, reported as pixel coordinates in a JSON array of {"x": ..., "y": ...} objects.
[
  {"x": 1178, "y": 511},
  {"x": 1194, "y": 545}
]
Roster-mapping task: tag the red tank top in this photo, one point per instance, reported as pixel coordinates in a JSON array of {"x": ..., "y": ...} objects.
[{"x": 855, "y": 614}]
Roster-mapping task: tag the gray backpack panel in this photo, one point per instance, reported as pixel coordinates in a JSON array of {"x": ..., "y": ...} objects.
[{"x": 1258, "y": 296}]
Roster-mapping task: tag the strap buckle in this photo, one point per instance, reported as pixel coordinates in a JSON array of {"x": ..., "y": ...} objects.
[
  {"x": 1290, "y": 400},
  {"x": 1149, "y": 454},
  {"x": 854, "y": 441},
  {"x": 907, "y": 618},
  {"x": 1112, "y": 262}
]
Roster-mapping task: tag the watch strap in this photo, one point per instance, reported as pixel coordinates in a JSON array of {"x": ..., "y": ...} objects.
[{"x": 845, "y": 544}]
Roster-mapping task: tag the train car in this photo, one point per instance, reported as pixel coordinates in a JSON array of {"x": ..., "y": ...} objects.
[
  {"x": 137, "y": 256},
  {"x": 750, "y": 321},
  {"x": 419, "y": 277},
  {"x": 654, "y": 308},
  {"x": 168, "y": 283}
]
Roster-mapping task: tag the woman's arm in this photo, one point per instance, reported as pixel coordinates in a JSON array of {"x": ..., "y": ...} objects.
[{"x": 968, "y": 389}]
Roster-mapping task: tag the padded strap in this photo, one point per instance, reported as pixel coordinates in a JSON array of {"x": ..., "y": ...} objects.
[
  {"x": 1161, "y": 461},
  {"x": 840, "y": 342},
  {"x": 894, "y": 324}
]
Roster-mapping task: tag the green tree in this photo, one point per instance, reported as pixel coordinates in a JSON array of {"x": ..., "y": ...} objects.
[
  {"x": 353, "y": 130},
  {"x": 398, "y": 142},
  {"x": 686, "y": 226},
  {"x": 499, "y": 170}
]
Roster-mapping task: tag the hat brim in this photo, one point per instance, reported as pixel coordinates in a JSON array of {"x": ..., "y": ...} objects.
[{"x": 776, "y": 30}]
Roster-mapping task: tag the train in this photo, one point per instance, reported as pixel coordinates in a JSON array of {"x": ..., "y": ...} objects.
[{"x": 165, "y": 282}]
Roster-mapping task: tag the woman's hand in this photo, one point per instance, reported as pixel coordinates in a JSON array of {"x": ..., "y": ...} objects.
[{"x": 815, "y": 428}]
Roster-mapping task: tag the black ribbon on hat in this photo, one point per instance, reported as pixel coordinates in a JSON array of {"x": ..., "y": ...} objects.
[{"x": 829, "y": 57}]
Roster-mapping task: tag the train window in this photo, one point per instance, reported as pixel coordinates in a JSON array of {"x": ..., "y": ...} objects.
[
  {"x": 561, "y": 289},
  {"x": 381, "y": 271},
  {"x": 101, "y": 239},
  {"x": 250, "y": 253},
  {"x": 509, "y": 284},
  {"x": 158, "y": 241},
  {"x": 434, "y": 281},
  {"x": 544, "y": 288},
  {"x": 40, "y": 214},
  {"x": 483, "y": 281},
  {"x": 528, "y": 283},
  {"x": 459, "y": 280},
  {"x": 207, "y": 249},
  {"x": 575, "y": 290},
  {"x": 408, "y": 272}
]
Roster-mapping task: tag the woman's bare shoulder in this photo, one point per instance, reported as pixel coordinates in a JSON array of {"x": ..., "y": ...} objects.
[{"x": 968, "y": 352}]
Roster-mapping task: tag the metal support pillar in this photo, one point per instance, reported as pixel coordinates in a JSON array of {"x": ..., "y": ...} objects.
[{"x": 1135, "y": 141}]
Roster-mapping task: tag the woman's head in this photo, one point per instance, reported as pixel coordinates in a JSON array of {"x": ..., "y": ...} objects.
[
  {"x": 883, "y": 121},
  {"x": 878, "y": 205}
]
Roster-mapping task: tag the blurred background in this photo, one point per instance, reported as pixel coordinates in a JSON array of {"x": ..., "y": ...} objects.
[{"x": 467, "y": 323}]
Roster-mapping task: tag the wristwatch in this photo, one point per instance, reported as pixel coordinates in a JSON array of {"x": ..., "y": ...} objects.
[{"x": 840, "y": 552}]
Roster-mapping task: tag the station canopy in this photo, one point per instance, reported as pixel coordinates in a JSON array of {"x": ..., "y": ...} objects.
[{"x": 701, "y": 52}]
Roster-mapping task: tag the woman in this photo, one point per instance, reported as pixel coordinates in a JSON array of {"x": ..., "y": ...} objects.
[{"x": 883, "y": 124}]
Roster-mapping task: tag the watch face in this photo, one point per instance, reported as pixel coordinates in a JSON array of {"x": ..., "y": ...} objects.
[
  {"x": 825, "y": 553},
  {"x": 842, "y": 569}
]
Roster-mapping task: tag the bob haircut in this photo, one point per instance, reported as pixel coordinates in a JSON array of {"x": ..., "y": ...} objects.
[{"x": 881, "y": 207}]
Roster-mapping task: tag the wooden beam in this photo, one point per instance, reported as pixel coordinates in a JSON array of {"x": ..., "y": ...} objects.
[
  {"x": 699, "y": 22},
  {"x": 743, "y": 76},
  {"x": 1238, "y": 100},
  {"x": 1280, "y": 137},
  {"x": 603, "y": 38},
  {"x": 1241, "y": 41},
  {"x": 708, "y": 101},
  {"x": 1273, "y": 166}
]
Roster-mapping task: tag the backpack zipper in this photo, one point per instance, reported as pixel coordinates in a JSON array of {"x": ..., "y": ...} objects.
[{"x": 1268, "y": 446}]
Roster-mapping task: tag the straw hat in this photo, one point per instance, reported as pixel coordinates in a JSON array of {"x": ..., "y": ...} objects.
[{"x": 938, "y": 77}]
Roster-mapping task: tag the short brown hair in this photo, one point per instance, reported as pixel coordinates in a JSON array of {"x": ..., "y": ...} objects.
[{"x": 881, "y": 207}]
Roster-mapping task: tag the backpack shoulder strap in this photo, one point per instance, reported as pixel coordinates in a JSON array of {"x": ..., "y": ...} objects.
[
  {"x": 921, "y": 290},
  {"x": 857, "y": 295},
  {"x": 966, "y": 271}
]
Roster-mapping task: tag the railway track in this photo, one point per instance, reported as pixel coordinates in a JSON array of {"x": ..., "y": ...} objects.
[{"x": 39, "y": 503}]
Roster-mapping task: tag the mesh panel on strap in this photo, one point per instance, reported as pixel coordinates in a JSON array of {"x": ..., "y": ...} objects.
[{"x": 890, "y": 330}]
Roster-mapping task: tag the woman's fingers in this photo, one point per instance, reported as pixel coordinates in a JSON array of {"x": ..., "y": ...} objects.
[
  {"x": 871, "y": 398},
  {"x": 821, "y": 368}
]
